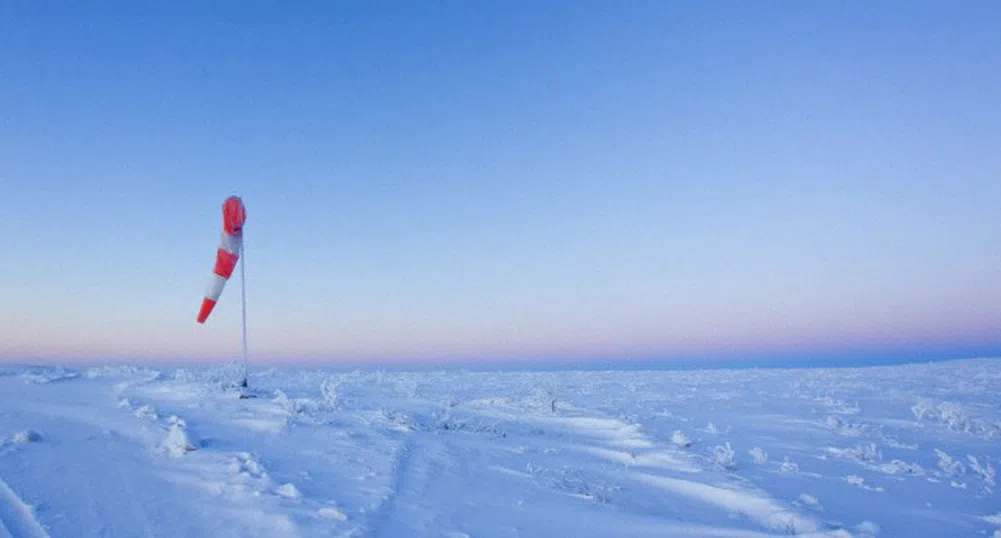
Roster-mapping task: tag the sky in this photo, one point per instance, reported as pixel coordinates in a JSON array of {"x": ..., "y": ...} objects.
[{"x": 503, "y": 182}]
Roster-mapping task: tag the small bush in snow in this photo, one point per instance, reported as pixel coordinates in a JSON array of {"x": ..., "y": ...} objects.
[
  {"x": 898, "y": 467},
  {"x": 864, "y": 453},
  {"x": 724, "y": 456},
  {"x": 146, "y": 412},
  {"x": 288, "y": 404},
  {"x": 954, "y": 417},
  {"x": 922, "y": 408},
  {"x": 789, "y": 523},
  {"x": 759, "y": 455},
  {"x": 680, "y": 439},
  {"x": 443, "y": 419},
  {"x": 547, "y": 394},
  {"x": 329, "y": 391},
  {"x": 948, "y": 465},
  {"x": 788, "y": 466},
  {"x": 986, "y": 472},
  {"x": 855, "y": 480},
  {"x": 574, "y": 481}
]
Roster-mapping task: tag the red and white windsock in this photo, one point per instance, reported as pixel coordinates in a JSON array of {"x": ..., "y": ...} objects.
[{"x": 234, "y": 215}]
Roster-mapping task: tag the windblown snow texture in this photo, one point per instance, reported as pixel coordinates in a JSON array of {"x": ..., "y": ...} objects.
[{"x": 897, "y": 451}]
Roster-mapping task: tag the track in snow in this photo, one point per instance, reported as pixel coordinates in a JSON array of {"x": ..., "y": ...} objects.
[
  {"x": 424, "y": 464},
  {"x": 17, "y": 519}
]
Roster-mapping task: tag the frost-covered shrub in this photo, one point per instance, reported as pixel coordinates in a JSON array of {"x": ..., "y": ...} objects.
[
  {"x": 921, "y": 408},
  {"x": 985, "y": 471},
  {"x": 546, "y": 395},
  {"x": 848, "y": 429},
  {"x": 900, "y": 467},
  {"x": 288, "y": 404},
  {"x": 855, "y": 480},
  {"x": 442, "y": 417},
  {"x": 146, "y": 412},
  {"x": 329, "y": 392},
  {"x": 949, "y": 466},
  {"x": 788, "y": 466},
  {"x": 862, "y": 452},
  {"x": 724, "y": 456},
  {"x": 953, "y": 416},
  {"x": 573, "y": 480}
]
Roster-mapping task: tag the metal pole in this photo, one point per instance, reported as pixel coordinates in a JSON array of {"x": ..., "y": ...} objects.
[{"x": 243, "y": 300}]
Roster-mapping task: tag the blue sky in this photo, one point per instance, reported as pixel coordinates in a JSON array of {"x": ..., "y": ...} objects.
[{"x": 503, "y": 181}]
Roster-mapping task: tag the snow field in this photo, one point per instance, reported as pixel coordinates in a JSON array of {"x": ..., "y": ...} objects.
[{"x": 895, "y": 451}]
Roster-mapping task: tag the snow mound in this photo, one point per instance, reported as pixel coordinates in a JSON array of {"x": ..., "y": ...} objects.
[
  {"x": 805, "y": 499},
  {"x": 289, "y": 491},
  {"x": 331, "y": 512},
  {"x": 867, "y": 529},
  {"x": 862, "y": 453},
  {"x": 244, "y": 462},
  {"x": 178, "y": 442},
  {"x": 147, "y": 412},
  {"x": 26, "y": 436}
]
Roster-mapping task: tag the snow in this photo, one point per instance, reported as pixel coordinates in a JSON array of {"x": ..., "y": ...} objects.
[
  {"x": 680, "y": 439},
  {"x": 126, "y": 451},
  {"x": 289, "y": 491},
  {"x": 26, "y": 436},
  {"x": 178, "y": 442}
]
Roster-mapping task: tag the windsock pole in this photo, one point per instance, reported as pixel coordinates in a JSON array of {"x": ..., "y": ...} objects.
[
  {"x": 234, "y": 216},
  {"x": 243, "y": 297}
]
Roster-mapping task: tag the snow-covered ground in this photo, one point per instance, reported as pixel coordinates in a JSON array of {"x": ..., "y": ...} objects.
[{"x": 120, "y": 451}]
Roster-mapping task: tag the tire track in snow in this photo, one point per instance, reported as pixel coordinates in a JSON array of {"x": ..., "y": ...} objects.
[
  {"x": 17, "y": 519},
  {"x": 401, "y": 468},
  {"x": 425, "y": 464}
]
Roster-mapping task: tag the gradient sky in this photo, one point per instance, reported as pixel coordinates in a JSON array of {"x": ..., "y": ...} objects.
[{"x": 484, "y": 181}]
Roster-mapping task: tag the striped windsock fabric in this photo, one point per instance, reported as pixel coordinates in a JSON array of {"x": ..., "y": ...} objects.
[{"x": 228, "y": 253}]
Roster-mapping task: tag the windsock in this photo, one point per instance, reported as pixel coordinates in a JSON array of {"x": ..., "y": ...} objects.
[{"x": 230, "y": 246}]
